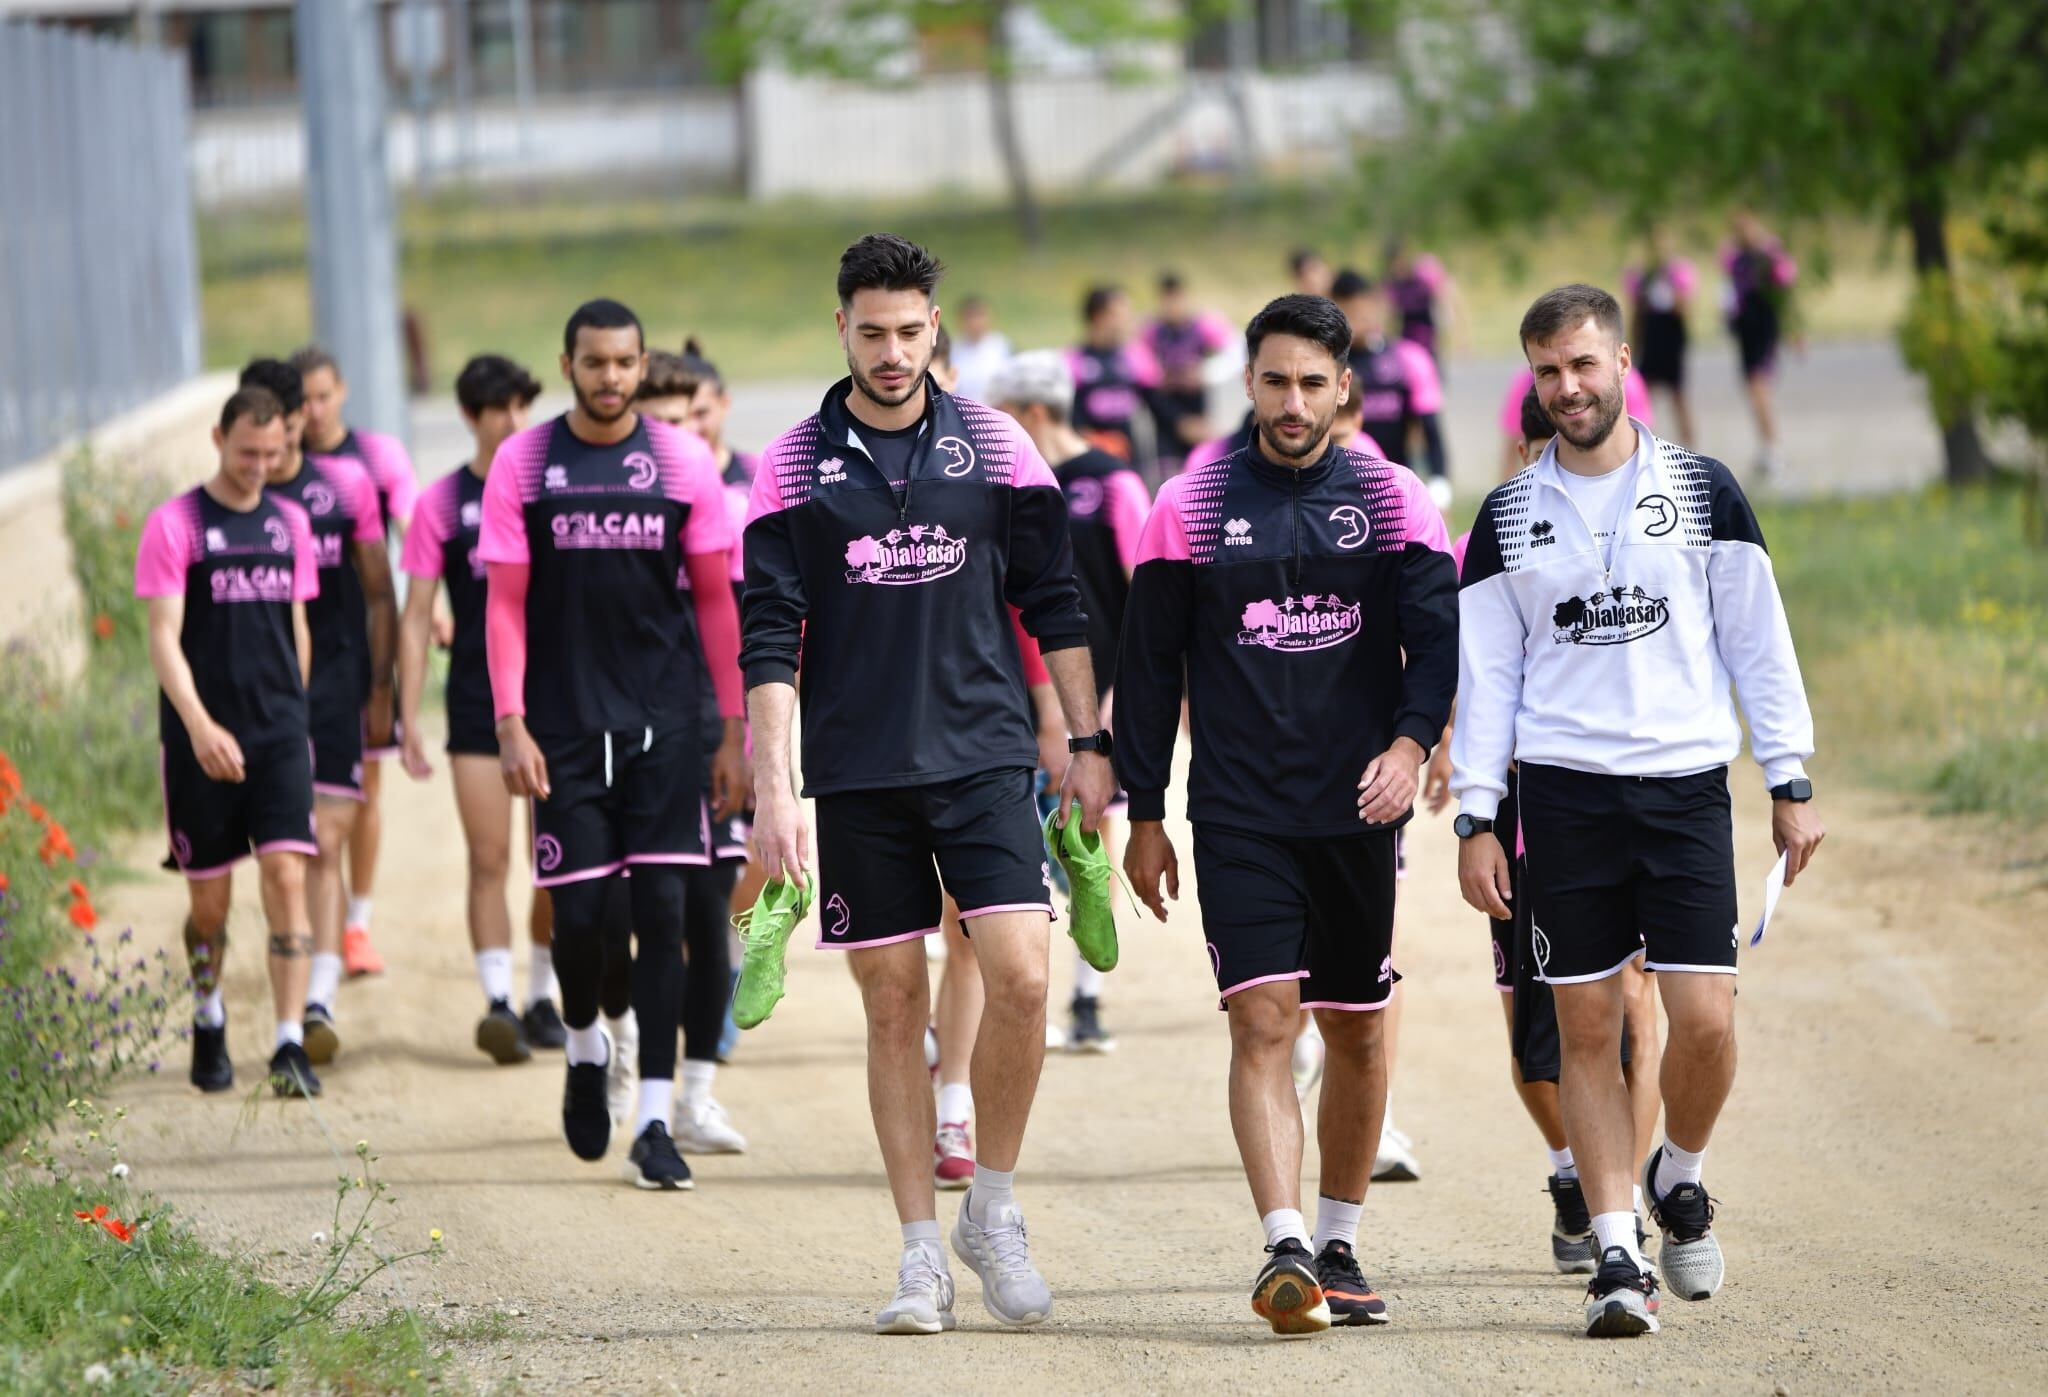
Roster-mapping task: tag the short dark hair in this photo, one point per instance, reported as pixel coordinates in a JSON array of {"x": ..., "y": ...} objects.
[
  {"x": 256, "y": 404},
  {"x": 492, "y": 380},
  {"x": 887, "y": 262},
  {"x": 1170, "y": 282},
  {"x": 1098, "y": 300},
  {"x": 1536, "y": 423},
  {"x": 942, "y": 347},
  {"x": 1348, "y": 283},
  {"x": 693, "y": 357},
  {"x": 280, "y": 378},
  {"x": 1313, "y": 318},
  {"x": 601, "y": 314},
  {"x": 312, "y": 358},
  {"x": 1567, "y": 308},
  {"x": 668, "y": 376},
  {"x": 1301, "y": 257}
]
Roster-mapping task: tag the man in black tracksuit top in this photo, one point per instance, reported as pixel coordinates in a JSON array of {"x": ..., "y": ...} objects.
[
  {"x": 886, "y": 538},
  {"x": 1288, "y": 580}
]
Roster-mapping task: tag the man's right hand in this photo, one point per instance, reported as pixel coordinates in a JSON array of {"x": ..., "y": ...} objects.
[
  {"x": 781, "y": 841},
  {"x": 413, "y": 752},
  {"x": 1483, "y": 875},
  {"x": 1148, "y": 858},
  {"x": 220, "y": 756},
  {"x": 519, "y": 759},
  {"x": 1436, "y": 779}
]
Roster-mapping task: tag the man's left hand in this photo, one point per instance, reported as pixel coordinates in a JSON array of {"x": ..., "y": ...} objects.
[
  {"x": 1797, "y": 831},
  {"x": 1387, "y": 789},
  {"x": 1090, "y": 782}
]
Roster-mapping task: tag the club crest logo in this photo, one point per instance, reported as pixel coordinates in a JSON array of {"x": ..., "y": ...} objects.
[
  {"x": 1357, "y": 528},
  {"x": 1310, "y": 622},
  {"x": 319, "y": 498},
  {"x": 838, "y": 918},
  {"x": 280, "y": 537},
  {"x": 956, "y": 453},
  {"x": 547, "y": 853},
  {"x": 1663, "y": 515},
  {"x": 905, "y": 557},
  {"x": 641, "y": 472},
  {"x": 181, "y": 847},
  {"x": 1084, "y": 497}
]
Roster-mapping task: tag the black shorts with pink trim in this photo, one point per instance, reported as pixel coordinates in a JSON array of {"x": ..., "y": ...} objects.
[
  {"x": 884, "y": 857},
  {"x": 335, "y": 714},
  {"x": 619, "y": 799},
  {"x": 216, "y": 824},
  {"x": 1312, "y": 908}
]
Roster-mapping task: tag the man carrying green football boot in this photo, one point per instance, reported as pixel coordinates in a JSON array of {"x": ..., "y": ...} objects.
[{"x": 1091, "y": 919}]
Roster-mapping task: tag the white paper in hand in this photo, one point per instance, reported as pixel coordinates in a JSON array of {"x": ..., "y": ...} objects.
[{"x": 1774, "y": 887}]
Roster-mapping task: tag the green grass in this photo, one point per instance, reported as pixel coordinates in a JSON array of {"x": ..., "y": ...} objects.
[{"x": 755, "y": 282}]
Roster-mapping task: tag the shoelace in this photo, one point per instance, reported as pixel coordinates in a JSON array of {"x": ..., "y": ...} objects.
[
  {"x": 918, "y": 1275},
  {"x": 1693, "y": 1220},
  {"x": 1010, "y": 1247},
  {"x": 1343, "y": 1263},
  {"x": 1096, "y": 874},
  {"x": 762, "y": 937}
]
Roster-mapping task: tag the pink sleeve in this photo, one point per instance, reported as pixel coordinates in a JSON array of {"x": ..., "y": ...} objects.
[
  {"x": 421, "y": 556},
  {"x": 369, "y": 519},
  {"x": 1128, "y": 505},
  {"x": 1424, "y": 521},
  {"x": 164, "y": 552},
  {"x": 1028, "y": 468},
  {"x": 1216, "y": 332},
  {"x": 1165, "y": 537},
  {"x": 503, "y": 536},
  {"x": 505, "y": 634},
  {"x": 305, "y": 558},
  {"x": 1511, "y": 407},
  {"x": 1143, "y": 364},
  {"x": 1036, "y": 675},
  {"x": 1364, "y": 444},
  {"x": 766, "y": 496},
  {"x": 1425, "y": 388},
  {"x": 1430, "y": 272},
  {"x": 1635, "y": 395},
  {"x": 1683, "y": 277},
  {"x": 391, "y": 470},
  {"x": 1784, "y": 270},
  {"x": 718, "y": 628},
  {"x": 1458, "y": 547},
  {"x": 1210, "y": 451}
]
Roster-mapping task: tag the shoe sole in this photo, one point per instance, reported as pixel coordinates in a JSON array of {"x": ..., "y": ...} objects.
[
  {"x": 951, "y": 1185},
  {"x": 685, "y": 1145},
  {"x": 1583, "y": 1265},
  {"x": 642, "y": 1182},
  {"x": 988, "y": 1299},
  {"x": 1292, "y": 1306},
  {"x": 503, "y": 1041},
  {"x": 1091, "y": 1047},
  {"x": 1397, "y": 1174},
  {"x": 911, "y": 1324},
  {"x": 1615, "y": 1320},
  {"x": 322, "y": 1044},
  {"x": 215, "y": 1088}
]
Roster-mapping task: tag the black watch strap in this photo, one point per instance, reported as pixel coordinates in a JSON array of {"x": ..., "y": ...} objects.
[
  {"x": 1797, "y": 789},
  {"x": 1095, "y": 742}
]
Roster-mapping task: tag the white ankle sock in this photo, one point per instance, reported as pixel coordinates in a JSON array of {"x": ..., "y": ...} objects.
[
  {"x": 1336, "y": 1221},
  {"x": 359, "y": 912},
  {"x": 991, "y": 1187},
  {"x": 494, "y": 973},
  {"x": 1562, "y": 1164},
  {"x": 211, "y": 1011},
  {"x": 290, "y": 1031},
  {"x": 1087, "y": 980},
  {"x": 1639, "y": 1200},
  {"x": 1676, "y": 1166},
  {"x": 657, "y": 1096},
  {"x": 325, "y": 979},
  {"x": 586, "y": 1046},
  {"x": 540, "y": 975},
  {"x": 697, "y": 1080},
  {"x": 1283, "y": 1223},
  {"x": 1616, "y": 1230},
  {"x": 925, "y": 1234},
  {"x": 956, "y": 1103}
]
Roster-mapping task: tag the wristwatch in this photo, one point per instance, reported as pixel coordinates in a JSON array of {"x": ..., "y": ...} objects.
[
  {"x": 1094, "y": 742},
  {"x": 1797, "y": 789},
  {"x": 1465, "y": 826}
]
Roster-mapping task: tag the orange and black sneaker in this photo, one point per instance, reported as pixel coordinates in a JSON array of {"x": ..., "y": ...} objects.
[
  {"x": 1351, "y": 1296},
  {"x": 1287, "y": 1294}
]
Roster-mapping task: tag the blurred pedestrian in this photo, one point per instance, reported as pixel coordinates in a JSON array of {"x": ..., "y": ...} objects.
[
  {"x": 1660, "y": 292},
  {"x": 1760, "y": 276}
]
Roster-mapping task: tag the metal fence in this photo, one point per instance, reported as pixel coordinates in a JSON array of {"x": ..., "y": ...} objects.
[{"x": 99, "y": 272}]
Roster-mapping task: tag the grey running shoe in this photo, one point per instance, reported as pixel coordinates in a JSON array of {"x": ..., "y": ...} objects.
[
  {"x": 1690, "y": 1253},
  {"x": 999, "y": 1252},
  {"x": 1621, "y": 1302},
  {"x": 923, "y": 1302},
  {"x": 1571, "y": 1232}
]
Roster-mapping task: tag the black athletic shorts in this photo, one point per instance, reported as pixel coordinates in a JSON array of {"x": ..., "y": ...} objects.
[
  {"x": 620, "y": 799},
  {"x": 216, "y": 824},
  {"x": 877, "y": 882},
  {"x": 1660, "y": 352},
  {"x": 336, "y": 725},
  {"x": 1756, "y": 335},
  {"x": 1287, "y": 907},
  {"x": 1627, "y": 866},
  {"x": 729, "y": 836},
  {"x": 472, "y": 726}
]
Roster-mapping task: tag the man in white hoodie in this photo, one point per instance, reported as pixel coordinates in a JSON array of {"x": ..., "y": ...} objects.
[{"x": 1611, "y": 593}]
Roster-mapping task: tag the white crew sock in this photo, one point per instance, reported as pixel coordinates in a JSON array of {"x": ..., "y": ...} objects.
[
  {"x": 1087, "y": 979},
  {"x": 1336, "y": 1221},
  {"x": 494, "y": 972},
  {"x": 1617, "y": 1230},
  {"x": 956, "y": 1103},
  {"x": 656, "y": 1098},
  {"x": 290, "y": 1031},
  {"x": 540, "y": 975},
  {"x": 325, "y": 979},
  {"x": 586, "y": 1046},
  {"x": 359, "y": 912},
  {"x": 925, "y": 1234},
  {"x": 1677, "y": 1167},
  {"x": 697, "y": 1080},
  {"x": 1639, "y": 1200},
  {"x": 1563, "y": 1165},
  {"x": 991, "y": 1187},
  {"x": 211, "y": 1011},
  {"x": 1283, "y": 1223}
]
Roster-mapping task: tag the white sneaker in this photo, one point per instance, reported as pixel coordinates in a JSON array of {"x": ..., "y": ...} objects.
[
  {"x": 1395, "y": 1161},
  {"x": 1308, "y": 1062},
  {"x": 707, "y": 1129},
  {"x": 999, "y": 1252},
  {"x": 622, "y": 1073},
  {"x": 923, "y": 1302}
]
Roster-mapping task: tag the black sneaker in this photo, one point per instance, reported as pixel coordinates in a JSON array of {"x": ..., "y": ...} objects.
[
  {"x": 544, "y": 1026},
  {"x": 500, "y": 1034},
  {"x": 1350, "y": 1295},
  {"x": 1571, "y": 1232},
  {"x": 586, "y": 1118},
  {"x": 291, "y": 1073},
  {"x": 322, "y": 1039},
  {"x": 211, "y": 1069},
  {"x": 1621, "y": 1302},
  {"x": 1287, "y": 1294},
  {"x": 1085, "y": 1033},
  {"x": 653, "y": 1162}
]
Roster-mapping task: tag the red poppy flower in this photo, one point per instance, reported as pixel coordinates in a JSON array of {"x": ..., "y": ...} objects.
[
  {"x": 83, "y": 917},
  {"x": 98, "y": 1214},
  {"x": 3, "y": 882},
  {"x": 77, "y": 889},
  {"x": 119, "y": 1230},
  {"x": 37, "y": 813},
  {"x": 103, "y": 626}
]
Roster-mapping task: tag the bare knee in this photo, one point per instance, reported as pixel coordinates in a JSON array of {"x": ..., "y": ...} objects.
[
  {"x": 489, "y": 864},
  {"x": 1703, "y": 1030},
  {"x": 1018, "y": 991},
  {"x": 209, "y": 917},
  {"x": 897, "y": 1005},
  {"x": 1263, "y": 1025},
  {"x": 1589, "y": 1019},
  {"x": 1355, "y": 1035}
]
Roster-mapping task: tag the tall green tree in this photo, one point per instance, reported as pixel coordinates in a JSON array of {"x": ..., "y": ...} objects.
[{"x": 1525, "y": 110}]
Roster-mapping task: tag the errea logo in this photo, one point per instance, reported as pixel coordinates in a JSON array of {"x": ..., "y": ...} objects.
[
  {"x": 555, "y": 478},
  {"x": 831, "y": 471},
  {"x": 1542, "y": 532},
  {"x": 472, "y": 514},
  {"x": 1237, "y": 531}
]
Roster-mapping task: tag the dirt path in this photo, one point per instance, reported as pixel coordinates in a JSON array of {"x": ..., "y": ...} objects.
[{"x": 1877, "y": 1164}]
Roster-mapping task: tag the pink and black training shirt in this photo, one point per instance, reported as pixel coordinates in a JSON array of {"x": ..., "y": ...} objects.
[
  {"x": 1106, "y": 507},
  {"x": 340, "y": 501},
  {"x": 442, "y": 546},
  {"x": 389, "y": 465},
  {"x": 239, "y": 574}
]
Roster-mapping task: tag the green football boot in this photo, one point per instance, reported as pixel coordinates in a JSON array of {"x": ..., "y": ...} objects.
[
  {"x": 764, "y": 932},
  {"x": 1090, "y": 915}
]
